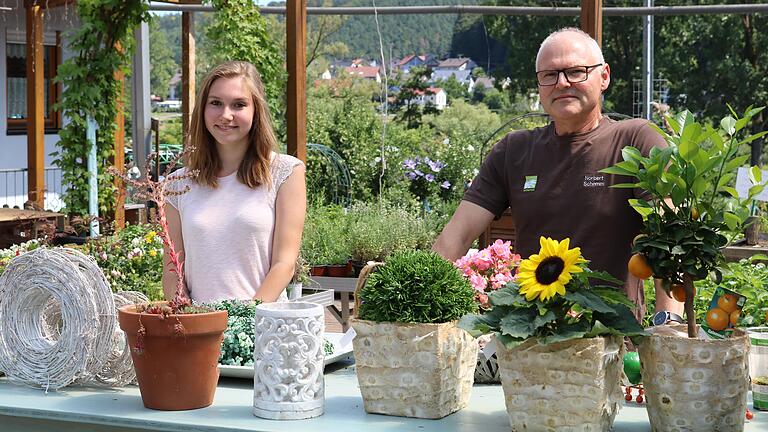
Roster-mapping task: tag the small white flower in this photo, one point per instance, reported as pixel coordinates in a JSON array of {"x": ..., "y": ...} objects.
[
  {"x": 446, "y": 141},
  {"x": 103, "y": 255},
  {"x": 135, "y": 242},
  {"x": 470, "y": 148},
  {"x": 377, "y": 159}
]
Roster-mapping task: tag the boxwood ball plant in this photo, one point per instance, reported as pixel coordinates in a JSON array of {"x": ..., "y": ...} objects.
[{"x": 416, "y": 286}]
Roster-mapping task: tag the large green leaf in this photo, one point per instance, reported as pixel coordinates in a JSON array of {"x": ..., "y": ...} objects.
[
  {"x": 613, "y": 295},
  {"x": 518, "y": 323},
  {"x": 567, "y": 332},
  {"x": 507, "y": 296},
  {"x": 622, "y": 320},
  {"x": 588, "y": 300}
]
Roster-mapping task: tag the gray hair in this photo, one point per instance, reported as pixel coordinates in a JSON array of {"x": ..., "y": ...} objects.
[{"x": 591, "y": 43}]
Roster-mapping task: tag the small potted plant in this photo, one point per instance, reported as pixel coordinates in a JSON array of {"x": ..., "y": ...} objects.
[
  {"x": 175, "y": 345},
  {"x": 694, "y": 383},
  {"x": 560, "y": 341},
  {"x": 412, "y": 359},
  {"x": 300, "y": 277},
  {"x": 488, "y": 270}
]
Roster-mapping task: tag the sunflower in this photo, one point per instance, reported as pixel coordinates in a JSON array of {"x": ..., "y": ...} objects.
[{"x": 545, "y": 274}]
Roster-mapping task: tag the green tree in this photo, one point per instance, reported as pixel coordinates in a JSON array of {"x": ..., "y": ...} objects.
[
  {"x": 162, "y": 64},
  {"x": 239, "y": 32},
  {"x": 453, "y": 89},
  {"x": 408, "y": 110}
]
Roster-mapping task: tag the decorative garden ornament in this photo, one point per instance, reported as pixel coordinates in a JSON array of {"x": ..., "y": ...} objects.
[{"x": 288, "y": 361}]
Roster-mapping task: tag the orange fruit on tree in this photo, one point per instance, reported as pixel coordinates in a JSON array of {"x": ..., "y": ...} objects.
[
  {"x": 638, "y": 267},
  {"x": 718, "y": 319},
  {"x": 678, "y": 292},
  {"x": 734, "y": 317},
  {"x": 727, "y": 302}
]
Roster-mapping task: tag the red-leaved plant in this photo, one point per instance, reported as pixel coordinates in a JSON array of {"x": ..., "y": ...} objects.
[{"x": 157, "y": 191}]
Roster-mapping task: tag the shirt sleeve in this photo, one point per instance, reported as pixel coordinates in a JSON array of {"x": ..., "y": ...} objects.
[
  {"x": 285, "y": 165},
  {"x": 488, "y": 189}
]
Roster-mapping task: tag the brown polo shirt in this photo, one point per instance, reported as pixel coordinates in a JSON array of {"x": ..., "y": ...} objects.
[{"x": 554, "y": 188}]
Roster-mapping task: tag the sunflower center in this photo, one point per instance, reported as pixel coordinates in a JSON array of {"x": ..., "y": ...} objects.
[{"x": 549, "y": 270}]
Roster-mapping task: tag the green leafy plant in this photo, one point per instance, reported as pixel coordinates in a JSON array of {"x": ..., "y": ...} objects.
[
  {"x": 416, "y": 286},
  {"x": 686, "y": 215},
  {"x": 237, "y": 348},
  {"x": 102, "y": 45},
  {"x": 553, "y": 300}
]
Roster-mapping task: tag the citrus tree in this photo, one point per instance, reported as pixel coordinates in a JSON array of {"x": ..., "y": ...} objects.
[{"x": 691, "y": 202}]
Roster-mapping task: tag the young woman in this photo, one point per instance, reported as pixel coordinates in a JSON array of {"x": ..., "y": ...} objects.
[{"x": 239, "y": 225}]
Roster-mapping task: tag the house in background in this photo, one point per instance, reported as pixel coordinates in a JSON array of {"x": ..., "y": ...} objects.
[
  {"x": 364, "y": 72},
  {"x": 433, "y": 95},
  {"x": 405, "y": 64},
  {"x": 14, "y": 146},
  {"x": 459, "y": 68}
]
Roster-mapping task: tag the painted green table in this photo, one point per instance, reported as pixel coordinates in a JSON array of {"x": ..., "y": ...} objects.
[{"x": 120, "y": 410}]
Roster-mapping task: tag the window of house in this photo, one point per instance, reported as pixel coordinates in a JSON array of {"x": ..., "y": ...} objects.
[{"x": 16, "y": 86}]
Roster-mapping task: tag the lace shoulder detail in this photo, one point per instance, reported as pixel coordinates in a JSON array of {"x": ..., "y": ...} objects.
[{"x": 282, "y": 168}]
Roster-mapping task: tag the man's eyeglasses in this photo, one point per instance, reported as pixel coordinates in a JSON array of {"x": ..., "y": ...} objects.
[{"x": 573, "y": 75}]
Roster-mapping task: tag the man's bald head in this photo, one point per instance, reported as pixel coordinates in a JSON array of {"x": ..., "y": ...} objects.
[{"x": 569, "y": 33}]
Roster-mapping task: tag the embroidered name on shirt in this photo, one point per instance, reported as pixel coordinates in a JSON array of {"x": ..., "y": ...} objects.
[
  {"x": 530, "y": 183},
  {"x": 594, "y": 180}
]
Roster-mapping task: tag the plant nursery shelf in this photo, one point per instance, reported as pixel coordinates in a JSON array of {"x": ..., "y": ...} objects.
[{"x": 120, "y": 410}]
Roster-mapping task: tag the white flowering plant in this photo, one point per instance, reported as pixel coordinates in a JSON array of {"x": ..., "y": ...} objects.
[{"x": 6, "y": 255}]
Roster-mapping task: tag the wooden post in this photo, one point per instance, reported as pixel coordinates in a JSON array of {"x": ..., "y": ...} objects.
[
  {"x": 35, "y": 105},
  {"x": 118, "y": 160},
  {"x": 592, "y": 19},
  {"x": 296, "y": 29},
  {"x": 187, "y": 72}
]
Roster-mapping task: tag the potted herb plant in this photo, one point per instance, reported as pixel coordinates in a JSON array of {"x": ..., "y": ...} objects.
[
  {"x": 412, "y": 359},
  {"x": 560, "y": 341},
  {"x": 174, "y": 344},
  {"x": 694, "y": 383}
]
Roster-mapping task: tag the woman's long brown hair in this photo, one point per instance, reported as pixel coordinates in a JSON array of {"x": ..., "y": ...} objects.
[{"x": 254, "y": 169}]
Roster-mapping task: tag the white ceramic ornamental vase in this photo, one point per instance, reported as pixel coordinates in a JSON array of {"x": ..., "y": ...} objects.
[{"x": 288, "y": 361}]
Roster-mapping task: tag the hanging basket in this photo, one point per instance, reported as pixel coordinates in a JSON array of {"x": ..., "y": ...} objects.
[
  {"x": 564, "y": 386},
  {"x": 412, "y": 370},
  {"x": 695, "y": 385}
]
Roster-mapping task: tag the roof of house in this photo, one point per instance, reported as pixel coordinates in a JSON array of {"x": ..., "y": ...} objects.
[
  {"x": 431, "y": 90},
  {"x": 410, "y": 57},
  {"x": 453, "y": 62},
  {"x": 461, "y": 75},
  {"x": 363, "y": 71}
]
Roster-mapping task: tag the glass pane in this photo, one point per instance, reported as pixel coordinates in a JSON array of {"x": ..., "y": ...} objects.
[{"x": 17, "y": 80}]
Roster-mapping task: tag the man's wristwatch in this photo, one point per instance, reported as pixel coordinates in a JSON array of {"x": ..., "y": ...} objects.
[{"x": 663, "y": 317}]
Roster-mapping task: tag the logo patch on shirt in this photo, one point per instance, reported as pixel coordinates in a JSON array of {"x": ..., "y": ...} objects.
[
  {"x": 594, "y": 180},
  {"x": 530, "y": 183}
]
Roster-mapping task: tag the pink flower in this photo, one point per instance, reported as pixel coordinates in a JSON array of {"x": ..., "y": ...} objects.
[
  {"x": 483, "y": 260},
  {"x": 478, "y": 282},
  {"x": 502, "y": 250},
  {"x": 482, "y": 298}
]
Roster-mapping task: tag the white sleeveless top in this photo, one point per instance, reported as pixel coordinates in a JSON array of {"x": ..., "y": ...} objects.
[{"x": 228, "y": 233}]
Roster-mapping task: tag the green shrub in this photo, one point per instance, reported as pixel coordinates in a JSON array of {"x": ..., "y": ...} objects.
[
  {"x": 325, "y": 236},
  {"x": 379, "y": 229},
  {"x": 416, "y": 287}
]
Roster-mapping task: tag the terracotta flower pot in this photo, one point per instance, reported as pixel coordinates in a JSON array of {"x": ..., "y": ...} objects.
[
  {"x": 337, "y": 270},
  {"x": 176, "y": 360},
  {"x": 317, "y": 271}
]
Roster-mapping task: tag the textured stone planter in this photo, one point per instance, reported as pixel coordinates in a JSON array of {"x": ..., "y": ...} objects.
[
  {"x": 414, "y": 370},
  {"x": 695, "y": 385},
  {"x": 288, "y": 361},
  {"x": 564, "y": 386}
]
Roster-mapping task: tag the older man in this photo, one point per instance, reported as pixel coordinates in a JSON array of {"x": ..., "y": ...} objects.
[{"x": 550, "y": 176}]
